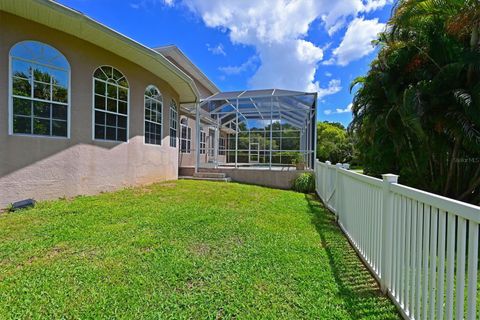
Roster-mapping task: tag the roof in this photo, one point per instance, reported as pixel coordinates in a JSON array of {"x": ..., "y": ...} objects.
[
  {"x": 65, "y": 19},
  {"x": 246, "y": 94},
  {"x": 186, "y": 64},
  {"x": 293, "y": 107}
]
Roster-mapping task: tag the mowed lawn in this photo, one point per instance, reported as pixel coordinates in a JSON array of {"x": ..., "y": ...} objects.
[{"x": 183, "y": 250}]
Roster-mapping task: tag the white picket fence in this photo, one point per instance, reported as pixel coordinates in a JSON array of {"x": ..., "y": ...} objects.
[{"x": 422, "y": 248}]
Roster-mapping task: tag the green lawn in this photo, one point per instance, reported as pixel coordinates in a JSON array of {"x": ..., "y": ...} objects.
[{"x": 186, "y": 249}]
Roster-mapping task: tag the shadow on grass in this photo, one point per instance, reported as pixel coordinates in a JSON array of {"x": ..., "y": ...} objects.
[{"x": 357, "y": 287}]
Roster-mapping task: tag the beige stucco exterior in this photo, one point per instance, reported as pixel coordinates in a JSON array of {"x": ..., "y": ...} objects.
[{"x": 48, "y": 168}]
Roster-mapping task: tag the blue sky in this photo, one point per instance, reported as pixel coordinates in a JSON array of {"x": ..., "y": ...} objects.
[{"x": 319, "y": 45}]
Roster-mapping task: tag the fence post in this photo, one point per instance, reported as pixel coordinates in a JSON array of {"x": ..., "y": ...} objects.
[{"x": 387, "y": 230}]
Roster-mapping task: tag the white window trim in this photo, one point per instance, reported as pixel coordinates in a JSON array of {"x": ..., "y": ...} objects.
[
  {"x": 203, "y": 150},
  {"x": 187, "y": 140},
  {"x": 162, "y": 122},
  {"x": 10, "y": 93},
  {"x": 220, "y": 149},
  {"x": 93, "y": 106},
  {"x": 173, "y": 102}
]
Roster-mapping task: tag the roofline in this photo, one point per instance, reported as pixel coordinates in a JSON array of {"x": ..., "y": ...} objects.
[
  {"x": 209, "y": 83},
  {"x": 5, "y": 5},
  {"x": 273, "y": 94}
]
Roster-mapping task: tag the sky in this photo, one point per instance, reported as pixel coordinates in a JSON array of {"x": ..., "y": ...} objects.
[{"x": 305, "y": 45}]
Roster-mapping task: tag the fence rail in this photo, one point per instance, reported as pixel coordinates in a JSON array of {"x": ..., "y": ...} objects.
[{"x": 422, "y": 248}]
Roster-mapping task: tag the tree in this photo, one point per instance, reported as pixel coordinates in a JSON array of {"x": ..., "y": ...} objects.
[
  {"x": 417, "y": 111},
  {"x": 333, "y": 143}
]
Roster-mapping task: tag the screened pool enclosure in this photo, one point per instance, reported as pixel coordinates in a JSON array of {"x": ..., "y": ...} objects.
[{"x": 268, "y": 129}]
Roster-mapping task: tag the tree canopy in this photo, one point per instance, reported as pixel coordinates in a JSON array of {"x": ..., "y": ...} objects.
[
  {"x": 333, "y": 143},
  {"x": 417, "y": 110}
]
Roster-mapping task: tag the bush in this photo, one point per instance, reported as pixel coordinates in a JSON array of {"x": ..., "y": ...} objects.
[{"x": 304, "y": 183}]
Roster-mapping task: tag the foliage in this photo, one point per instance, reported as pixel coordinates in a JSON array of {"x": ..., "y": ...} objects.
[
  {"x": 284, "y": 137},
  {"x": 417, "y": 111},
  {"x": 333, "y": 143},
  {"x": 183, "y": 249},
  {"x": 304, "y": 183},
  {"x": 296, "y": 157}
]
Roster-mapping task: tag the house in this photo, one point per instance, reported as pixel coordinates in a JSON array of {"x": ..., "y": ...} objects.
[{"x": 85, "y": 109}]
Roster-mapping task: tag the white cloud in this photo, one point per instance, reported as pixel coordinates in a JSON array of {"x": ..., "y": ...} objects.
[
  {"x": 333, "y": 87},
  {"x": 357, "y": 41},
  {"x": 277, "y": 28},
  {"x": 339, "y": 110},
  {"x": 144, "y": 4},
  {"x": 216, "y": 50},
  {"x": 372, "y": 5},
  {"x": 250, "y": 64}
]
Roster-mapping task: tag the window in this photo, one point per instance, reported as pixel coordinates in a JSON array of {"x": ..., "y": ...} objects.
[
  {"x": 39, "y": 92},
  {"x": 211, "y": 143},
  {"x": 173, "y": 124},
  {"x": 110, "y": 104},
  {"x": 153, "y": 115},
  {"x": 222, "y": 146},
  {"x": 203, "y": 142},
  {"x": 185, "y": 136}
]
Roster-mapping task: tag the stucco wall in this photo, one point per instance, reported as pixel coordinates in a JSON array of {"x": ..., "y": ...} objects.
[
  {"x": 46, "y": 168},
  {"x": 267, "y": 178}
]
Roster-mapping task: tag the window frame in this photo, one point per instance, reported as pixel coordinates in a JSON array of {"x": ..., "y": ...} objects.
[
  {"x": 161, "y": 113},
  {"x": 31, "y": 98},
  {"x": 173, "y": 121},
  {"x": 222, "y": 147},
  {"x": 203, "y": 142},
  {"x": 187, "y": 139},
  {"x": 109, "y": 112}
]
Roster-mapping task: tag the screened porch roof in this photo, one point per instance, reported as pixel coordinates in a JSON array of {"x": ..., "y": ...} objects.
[{"x": 292, "y": 107}]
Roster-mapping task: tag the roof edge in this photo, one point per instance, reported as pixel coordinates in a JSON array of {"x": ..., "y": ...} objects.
[{"x": 207, "y": 82}]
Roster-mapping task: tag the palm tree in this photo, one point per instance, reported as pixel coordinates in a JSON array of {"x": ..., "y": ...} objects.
[{"x": 417, "y": 111}]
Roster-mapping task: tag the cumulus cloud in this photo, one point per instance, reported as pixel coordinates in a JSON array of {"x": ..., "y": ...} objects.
[
  {"x": 216, "y": 50},
  {"x": 338, "y": 110},
  {"x": 333, "y": 87},
  {"x": 357, "y": 41},
  {"x": 250, "y": 64},
  {"x": 277, "y": 30}
]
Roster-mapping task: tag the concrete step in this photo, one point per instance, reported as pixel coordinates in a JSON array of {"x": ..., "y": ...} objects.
[
  {"x": 228, "y": 179},
  {"x": 218, "y": 175}
]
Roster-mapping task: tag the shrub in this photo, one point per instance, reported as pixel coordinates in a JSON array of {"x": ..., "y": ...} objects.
[{"x": 304, "y": 183}]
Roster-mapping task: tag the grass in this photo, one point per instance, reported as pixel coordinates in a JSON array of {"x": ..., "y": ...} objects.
[{"x": 186, "y": 249}]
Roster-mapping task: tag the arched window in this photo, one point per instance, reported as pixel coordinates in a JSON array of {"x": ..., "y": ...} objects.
[
  {"x": 110, "y": 104},
  {"x": 173, "y": 124},
  {"x": 39, "y": 90},
  {"x": 185, "y": 136},
  {"x": 153, "y": 115}
]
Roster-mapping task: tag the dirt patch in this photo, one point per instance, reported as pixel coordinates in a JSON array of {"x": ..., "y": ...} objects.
[{"x": 200, "y": 249}]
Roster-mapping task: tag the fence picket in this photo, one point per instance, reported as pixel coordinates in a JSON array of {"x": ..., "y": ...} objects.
[
  {"x": 426, "y": 232},
  {"x": 408, "y": 218},
  {"x": 461, "y": 234},
  {"x": 450, "y": 265},
  {"x": 441, "y": 263},
  {"x": 472, "y": 270},
  {"x": 418, "y": 266},
  {"x": 433, "y": 261}
]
